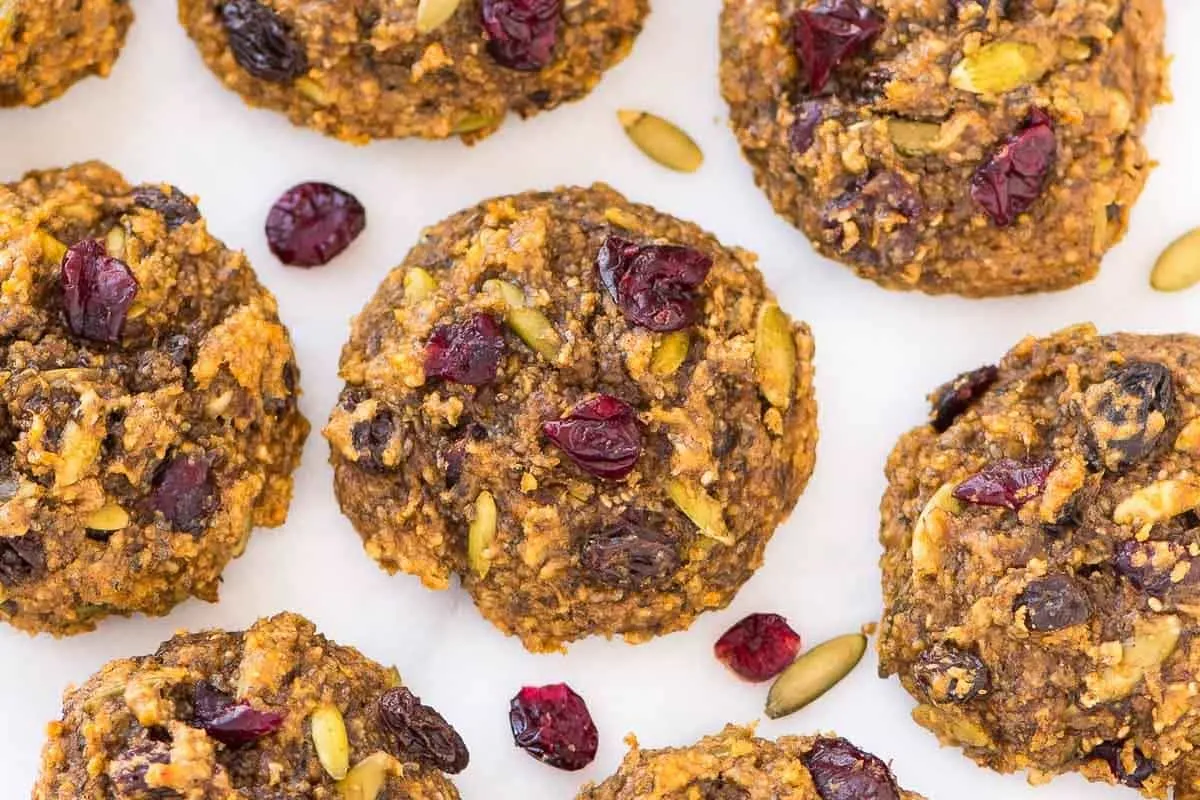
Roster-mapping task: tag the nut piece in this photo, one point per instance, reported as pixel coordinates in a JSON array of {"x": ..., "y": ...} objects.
[
  {"x": 418, "y": 284},
  {"x": 700, "y": 507},
  {"x": 330, "y": 740},
  {"x": 366, "y": 780},
  {"x": 998, "y": 68},
  {"x": 775, "y": 356},
  {"x": 670, "y": 353},
  {"x": 663, "y": 141},
  {"x": 534, "y": 328},
  {"x": 1156, "y": 502},
  {"x": 913, "y": 137},
  {"x": 1153, "y": 642},
  {"x": 110, "y": 517},
  {"x": 814, "y": 673},
  {"x": 931, "y": 528},
  {"x": 481, "y": 534},
  {"x": 432, "y": 14},
  {"x": 1178, "y": 267}
]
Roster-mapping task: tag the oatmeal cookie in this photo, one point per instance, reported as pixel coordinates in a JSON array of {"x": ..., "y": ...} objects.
[
  {"x": 48, "y": 45},
  {"x": 593, "y": 413},
  {"x": 148, "y": 415},
  {"x": 976, "y": 147},
  {"x": 434, "y": 69},
  {"x": 1040, "y": 597},
  {"x": 274, "y": 712}
]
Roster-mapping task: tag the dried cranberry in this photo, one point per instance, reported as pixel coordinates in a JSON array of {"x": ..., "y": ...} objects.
[
  {"x": 955, "y": 397},
  {"x": 951, "y": 675},
  {"x": 466, "y": 352},
  {"x": 22, "y": 558},
  {"x": 553, "y": 725},
  {"x": 175, "y": 207},
  {"x": 601, "y": 435},
  {"x": 184, "y": 493},
  {"x": 829, "y": 34},
  {"x": 759, "y": 647},
  {"x": 634, "y": 551},
  {"x": 1009, "y": 182},
  {"x": 1113, "y": 753},
  {"x": 97, "y": 291},
  {"x": 840, "y": 771},
  {"x": 262, "y": 42},
  {"x": 654, "y": 285},
  {"x": 521, "y": 34},
  {"x": 422, "y": 734},
  {"x": 311, "y": 223},
  {"x": 802, "y": 134},
  {"x": 1053, "y": 603},
  {"x": 1006, "y": 483},
  {"x": 884, "y": 209},
  {"x": 229, "y": 722},
  {"x": 1148, "y": 565},
  {"x": 1128, "y": 415}
]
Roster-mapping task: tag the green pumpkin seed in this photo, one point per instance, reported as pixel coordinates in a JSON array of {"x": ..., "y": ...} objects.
[
  {"x": 775, "y": 356},
  {"x": 330, "y": 740},
  {"x": 998, "y": 68},
  {"x": 663, "y": 141},
  {"x": 366, "y": 780},
  {"x": 670, "y": 354},
  {"x": 418, "y": 284},
  {"x": 433, "y": 14},
  {"x": 1178, "y": 267},
  {"x": 482, "y": 534},
  {"x": 701, "y": 508},
  {"x": 913, "y": 137},
  {"x": 814, "y": 673}
]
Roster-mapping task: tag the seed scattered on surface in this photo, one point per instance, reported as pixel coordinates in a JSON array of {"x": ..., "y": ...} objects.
[
  {"x": 366, "y": 780},
  {"x": 775, "y": 356},
  {"x": 670, "y": 354},
  {"x": 531, "y": 325},
  {"x": 1178, "y": 267},
  {"x": 481, "y": 534},
  {"x": 330, "y": 740},
  {"x": 814, "y": 673},
  {"x": 553, "y": 724},
  {"x": 433, "y": 14},
  {"x": 473, "y": 122},
  {"x": 110, "y": 517},
  {"x": 758, "y": 647},
  {"x": 663, "y": 141},
  {"x": 998, "y": 67},
  {"x": 700, "y": 507}
]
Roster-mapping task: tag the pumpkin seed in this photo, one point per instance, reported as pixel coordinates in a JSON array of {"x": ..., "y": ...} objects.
[
  {"x": 433, "y": 14},
  {"x": 1178, "y": 267},
  {"x": 482, "y": 534},
  {"x": 700, "y": 507},
  {"x": 663, "y": 141},
  {"x": 670, "y": 353},
  {"x": 913, "y": 137},
  {"x": 366, "y": 780},
  {"x": 998, "y": 68},
  {"x": 418, "y": 284},
  {"x": 511, "y": 294},
  {"x": 313, "y": 91},
  {"x": 473, "y": 122},
  {"x": 107, "y": 518},
  {"x": 534, "y": 327},
  {"x": 330, "y": 740},
  {"x": 814, "y": 673},
  {"x": 775, "y": 356}
]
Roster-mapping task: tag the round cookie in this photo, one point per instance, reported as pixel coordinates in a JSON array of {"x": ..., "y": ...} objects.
[
  {"x": 272, "y": 712},
  {"x": 401, "y": 69},
  {"x": 736, "y": 765},
  {"x": 48, "y": 45},
  {"x": 585, "y": 467},
  {"x": 972, "y": 147},
  {"x": 1039, "y": 534},
  {"x": 148, "y": 390}
]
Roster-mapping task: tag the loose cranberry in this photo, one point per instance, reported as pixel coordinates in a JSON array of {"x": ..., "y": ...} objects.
[
  {"x": 759, "y": 647},
  {"x": 809, "y": 114},
  {"x": 184, "y": 493},
  {"x": 311, "y": 223},
  {"x": 1112, "y": 752},
  {"x": 952, "y": 399},
  {"x": 831, "y": 33},
  {"x": 97, "y": 292},
  {"x": 553, "y": 725},
  {"x": 521, "y": 34},
  {"x": 1006, "y": 483},
  {"x": 1009, "y": 182},
  {"x": 840, "y": 771},
  {"x": 654, "y": 285},
  {"x": 466, "y": 352},
  {"x": 232, "y": 723},
  {"x": 262, "y": 42},
  {"x": 601, "y": 435},
  {"x": 1053, "y": 603}
]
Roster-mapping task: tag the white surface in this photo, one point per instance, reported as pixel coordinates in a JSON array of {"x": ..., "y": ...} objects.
[{"x": 162, "y": 116}]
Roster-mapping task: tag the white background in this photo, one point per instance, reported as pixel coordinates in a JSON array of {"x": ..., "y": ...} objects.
[{"x": 162, "y": 116}]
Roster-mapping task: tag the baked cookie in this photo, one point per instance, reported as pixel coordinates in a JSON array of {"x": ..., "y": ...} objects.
[
  {"x": 48, "y": 45},
  {"x": 148, "y": 392},
  {"x": 432, "y": 69},
  {"x": 976, "y": 147},
  {"x": 736, "y": 765},
  {"x": 277, "y": 711},
  {"x": 593, "y": 413},
  {"x": 1039, "y": 534}
]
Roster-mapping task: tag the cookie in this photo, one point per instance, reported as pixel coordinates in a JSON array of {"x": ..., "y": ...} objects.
[
  {"x": 277, "y": 711},
  {"x": 975, "y": 147},
  {"x": 591, "y": 412},
  {"x": 147, "y": 401},
  {"x": 433, "y": 69},
  {"x": 736, "y": 765},
  {"x": 1039, "y": 541},
  {"x": 48, "y": 45}
]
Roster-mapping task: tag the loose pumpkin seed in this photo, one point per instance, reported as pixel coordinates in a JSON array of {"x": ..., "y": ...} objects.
[
  {"x": 913, "y": 137},
  {"x": 366, "y": 780},
  {"x": 1178, "y": 267},
  {"x": 775, "y": 356},
  {"x": 330, "y": 740},
  {"x": 670, "y": 353},
  {"x": 663, "y": 141},
  {"x": 107, "y": 518},
  {"x": 700, "y": 507},
  {"x": 418, "y": 284},
  {"x": 433, "y": 14},
  {"x": 482, "y": 534},
  {"x": 998, "y": 68},
  {"x": 814, "y": 673}
]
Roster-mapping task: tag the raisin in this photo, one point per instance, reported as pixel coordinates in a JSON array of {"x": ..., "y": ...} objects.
[
  {"x": 421, "y": 733},
  {"x": 759, "y": 647},
  {"x": 521, "y": 34},
  {"x": 1053, "y": 603},
  {"x": 840, "y": 771},
  {"x": 1013, "y": 178},
  {"x": 1149, "y": 565},
  {"x": 262, "y": 42},
  {"x": 632, "y": 552},
  {"x": 184, "y": 493},
  {"x": 466, "y": 352},
  {"x": 653, "y": 285},
  {"x": 1127, "y": 415},
  {"x": 874, "y": 221},
  {"x": 1113, "y": 753},
  {"x": 312, "y": 223},
  {"x": 175, "y": 207},
  {"x": 179, "y": 349},
  {"x": 1006, "y": 483},
  {"x": 22, "y": 559},
  {"x": 951, "y": 675},
  {"x": 826, "y": 36},
  {"x": 952, "y": 399},
  {"x": 232, "y": 723},
  {"x": 128, "y": 770},
  {"x": 601, "y": 436},
  {"x": 97, "y": 291},
  {"x": 809, "y": 114},
  {"x": 553, "y": 724},
  {"x": 715, "y": 789},
  {"x": 371, "y": 439}
]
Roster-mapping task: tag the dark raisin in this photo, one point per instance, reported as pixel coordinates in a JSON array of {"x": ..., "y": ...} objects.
[
  {"x": 179, "y": 349},
  {"x": 653, "y": 285},
  {"x": 128, "y": 771},
  {"x": 880, "y": 213},
  {"x": 634, "y": 551},
  {"x": 521, "y": 34},
  {"x": 231, "y": 722},
  {"x": 802, "y": 134},
  {"x": 466, "y": 352},
  {"x": 951, "y": 675},
  {"x": 1006, "y": 483},
  {"x": 184, "y": 493},
  {"x": 311, "y": 223},
  {"x": 955, "y": 397},
  {"x": 262, "y": 42},
  {"x": 758, "y": 647},
  {"x": 1149, "y": 565},
  {"x": 175, "y": 207},
  {"x": 833, "y": 32},
  {"x": 958, "y": 6},
  {"x": 372, "y": 438},
  {"x": 1130, "y": 768},
  {"x": 422, "y": 734},
  {"x": 553, "y": 725},
  {"x": 1127, "y": 415},
  {"x": 97, "y": 291},
  {"x": 601, "y": 435},
  {"x": 715, "y": 789},
  {"x": 1013, "y": 178},
  {"x": 22, "y": 559},
  {"x": 1053, "y": 603},
  {"x": 840, "y": 771}
]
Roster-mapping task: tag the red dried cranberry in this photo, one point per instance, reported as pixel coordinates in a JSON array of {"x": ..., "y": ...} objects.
[
  {"x": 466, "y": 352},
  {"x": 311, "y": 223},
  {"x": 232, "y": 723},
  {"x": 97, "y": 292},
  {"x": 952, "y": 399},
  {"x": 759, "y": 647},
  {"x": 262, "y": 42},
  {"x": 183, "y": 492},
  {"x": 1053, "y": 603},
  {"x": 521, "y": 34},
  {"x": 1113, "y": 754},
  {"x": 654, "y": 285},
  {"x": 553, "y": 725},
  {"x": 840, "y": 771},
  {"x": 829, "y": 34},
  {"x": 803, "y": 132},
  {"x": 1006, "y": 483},
  {"x": 1009, "y": 182},
  {"x": 601, "y": 435}
]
